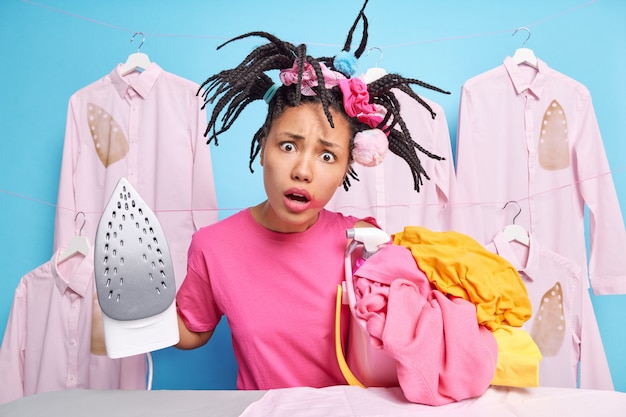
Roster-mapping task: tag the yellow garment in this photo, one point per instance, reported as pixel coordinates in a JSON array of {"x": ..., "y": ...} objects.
[
  {"x": 459, "y": 266},
  {"x": 518, "y": 358}
]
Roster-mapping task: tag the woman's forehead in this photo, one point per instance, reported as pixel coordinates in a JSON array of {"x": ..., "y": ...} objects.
[{"x": 308, "y": 119}]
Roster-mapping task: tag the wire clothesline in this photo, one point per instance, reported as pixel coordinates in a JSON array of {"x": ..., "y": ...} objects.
[
  {"x": 448, "y": 204},
  {"x": 492, "y": 33},
  {"x": 398, "y": 45}
]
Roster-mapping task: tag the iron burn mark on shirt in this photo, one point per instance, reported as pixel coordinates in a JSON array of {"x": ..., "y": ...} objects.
[
  {"x": 553, "y": 141},
  {"x": 548, "y": 329},
  {"x": 108, "y": 137}
]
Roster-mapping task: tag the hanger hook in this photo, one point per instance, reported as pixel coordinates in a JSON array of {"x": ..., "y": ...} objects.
[
  {"x": 143, "y": 39},
  {"x": 523, "y": 28},
  {"x": 379, "y": 50},
  {"x": 518, "y": 206},
  {"x": 80, "y": 232}
]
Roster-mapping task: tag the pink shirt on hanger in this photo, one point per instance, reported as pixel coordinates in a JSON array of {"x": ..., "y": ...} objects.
[
  {"x": 47, "y": 342},
  {"x": 563, "y": 323},
  {"x": 386, "y": 192},
  {"x": 531, "y": 135},
  {"x": 148, "y": 127}
]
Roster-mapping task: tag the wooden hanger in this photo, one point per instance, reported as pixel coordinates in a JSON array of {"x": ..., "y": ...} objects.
[
  {"x": 525, "y": 55},
  {"x": 137, "y": 61},
  {"x": 515, "y": 232},
  {"x": 376, "y": 72},
  {"x": 78, "y": 245}
]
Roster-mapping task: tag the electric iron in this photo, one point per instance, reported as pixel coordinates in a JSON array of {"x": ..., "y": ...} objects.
[{"x": 134, "y": 277}]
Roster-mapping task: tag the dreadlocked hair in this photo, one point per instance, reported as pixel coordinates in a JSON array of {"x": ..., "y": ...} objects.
[
  {"x": 234, "y": 89},
  {"x": 231, "y": 91},
  {"x": 400, "y": 141}
]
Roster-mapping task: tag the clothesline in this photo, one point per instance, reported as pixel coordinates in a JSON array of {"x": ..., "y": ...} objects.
[
  {"x": 497, "y": 32},
  {"x": 398, "y": 45},
  {"x": 414, "y": 206}
]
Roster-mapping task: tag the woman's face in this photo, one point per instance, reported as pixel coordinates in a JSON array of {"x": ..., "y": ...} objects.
[{"x": 304, "y": 160}]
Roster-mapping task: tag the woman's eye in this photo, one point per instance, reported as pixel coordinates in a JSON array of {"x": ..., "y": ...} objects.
[
  {"x": 288, "y": 146},
  {"x": 328, "y": 157}
]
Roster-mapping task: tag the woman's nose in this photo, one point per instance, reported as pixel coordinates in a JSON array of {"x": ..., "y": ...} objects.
[{"x": 302, "y": 171}]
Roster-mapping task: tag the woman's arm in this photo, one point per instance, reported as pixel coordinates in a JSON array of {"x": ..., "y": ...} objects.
[
  {"x": 363, "y": 223},
  {"x": 191, "y": 340}
]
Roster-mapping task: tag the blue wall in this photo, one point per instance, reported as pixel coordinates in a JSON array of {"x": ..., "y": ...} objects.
[{"x": 51, "y": 48}]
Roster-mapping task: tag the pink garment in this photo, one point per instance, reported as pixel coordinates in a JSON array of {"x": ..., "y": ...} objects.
[
  {"x": 147, "y": 127},
  {"x": 386, "y": 192},
  {"x": 309, "y": 78},
  {"x": 442, "y": 354},
  {"x": 532, "y": 136},
  {"x": 47, "y": 342},
  {"x": 356, "y": 102},
  {"x": 563, "y": 323},
  {"x": 277, "y": 291},
  {"x": 389, "y": 402}
]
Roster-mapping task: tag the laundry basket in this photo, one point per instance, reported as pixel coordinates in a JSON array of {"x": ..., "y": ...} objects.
[{"x": 362, "y": 364}]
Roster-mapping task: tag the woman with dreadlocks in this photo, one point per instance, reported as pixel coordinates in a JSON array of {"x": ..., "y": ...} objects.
[{"x": 273, "y": 269}]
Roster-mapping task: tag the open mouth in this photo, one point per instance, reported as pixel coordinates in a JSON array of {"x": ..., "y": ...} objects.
[{"x": 301, "y": 198}]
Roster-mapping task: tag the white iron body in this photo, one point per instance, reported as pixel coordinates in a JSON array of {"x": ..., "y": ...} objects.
[
  {"x": 134, "y": 337},
  {"x": 134, "y": 277}
]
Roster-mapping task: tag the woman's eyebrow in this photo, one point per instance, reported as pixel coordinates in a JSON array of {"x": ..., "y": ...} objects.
[
  {"x": 291, "y": 135},
  {"x": 328, "y": 143},
  {"x": 322, "y": 141}
]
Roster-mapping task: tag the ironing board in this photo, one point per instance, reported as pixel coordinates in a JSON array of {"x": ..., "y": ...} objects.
[{"x": 294, "y": 402}]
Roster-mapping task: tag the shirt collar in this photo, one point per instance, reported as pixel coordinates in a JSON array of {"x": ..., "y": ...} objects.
[
  {"x": 80, "y": 279},
  {"x": 520, "y": 80},
  {"x": 142, "y": 82},
  {"x": 504, "y": 249}
]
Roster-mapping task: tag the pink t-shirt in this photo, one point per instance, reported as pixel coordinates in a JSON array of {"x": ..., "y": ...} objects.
[{"x": 278, "y": 292}]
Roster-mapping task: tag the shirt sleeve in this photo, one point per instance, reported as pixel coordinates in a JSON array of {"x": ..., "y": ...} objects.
[
  {"x": 12, "y": 350},
  {"x": 195, "y": 301},
  {"x": 607, "y": 244},
  {"x": 64, "y": 225},
  {"x": 595, "y": 372},
  {"x": 444, "y": 170},
  {"x": 204, "y": 199},
  {"x": 465, "y": 211}
]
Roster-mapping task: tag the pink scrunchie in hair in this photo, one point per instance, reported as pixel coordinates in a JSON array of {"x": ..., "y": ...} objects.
[
  {"x": 309, "y": 78},
  {"x": 356, "y": 101}
]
